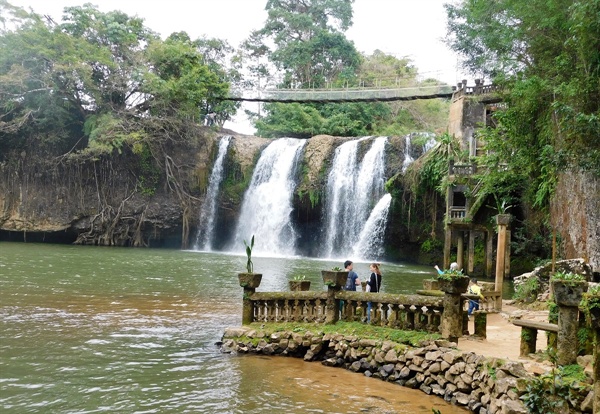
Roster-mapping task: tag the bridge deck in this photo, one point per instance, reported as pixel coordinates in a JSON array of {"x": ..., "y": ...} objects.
[{"x": 343, "y": 95}]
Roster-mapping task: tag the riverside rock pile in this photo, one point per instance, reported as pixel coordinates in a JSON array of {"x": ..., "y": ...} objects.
[{"x": 483, "y": 385}]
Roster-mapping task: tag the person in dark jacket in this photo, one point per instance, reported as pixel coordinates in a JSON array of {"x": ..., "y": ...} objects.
[{"x": 373, "y": 285}]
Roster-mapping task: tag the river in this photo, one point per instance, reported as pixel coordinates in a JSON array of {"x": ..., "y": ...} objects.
[{"x": 94, "y": 329}]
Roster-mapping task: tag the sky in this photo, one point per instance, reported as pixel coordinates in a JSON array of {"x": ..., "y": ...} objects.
[{"x": 402, "y": 28}]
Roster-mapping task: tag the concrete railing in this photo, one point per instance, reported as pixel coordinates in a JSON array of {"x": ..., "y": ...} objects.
[{"x": 407, "y": 312}]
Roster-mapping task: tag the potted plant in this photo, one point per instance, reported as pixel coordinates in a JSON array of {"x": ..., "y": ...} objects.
[
  {"x": 249, "y": 279},
  {"x": 568, "y": 288},
  {"x": 336, "y": 277},
  {"x": 299, "y": 283},
  {"x": 502, "y": 206},
  {"x": 453, "y": 281}
]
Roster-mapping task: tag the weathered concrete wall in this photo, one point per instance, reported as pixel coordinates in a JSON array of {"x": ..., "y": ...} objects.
[
  {"x": 576, "y": 215},
  {"x": 466, "y": 115}
]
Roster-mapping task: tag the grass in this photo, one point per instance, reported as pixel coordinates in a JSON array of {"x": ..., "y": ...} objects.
[{"x": 412, "y": 338}]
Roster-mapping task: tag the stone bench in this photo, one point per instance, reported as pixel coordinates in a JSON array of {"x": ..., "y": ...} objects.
[{"x": 529, "y": 331}]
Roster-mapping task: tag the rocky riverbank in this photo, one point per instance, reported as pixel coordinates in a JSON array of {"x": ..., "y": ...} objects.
[{"x": 482, "y": 384}]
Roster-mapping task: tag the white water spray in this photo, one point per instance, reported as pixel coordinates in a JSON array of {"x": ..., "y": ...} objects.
[
  {"x": 370, "y": 241},
  {"x": 352, "y": 189},
  {"x": 207, "y": 213},
  {"x": 267, "y": 203}
]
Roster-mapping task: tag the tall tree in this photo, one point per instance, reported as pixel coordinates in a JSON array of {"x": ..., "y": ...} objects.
[
  {"x": 546, "y": 54},
  {"x": 99, "y": 79}
]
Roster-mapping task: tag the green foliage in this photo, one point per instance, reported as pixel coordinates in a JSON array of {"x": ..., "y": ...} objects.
[
  {"x": 306, "y": 45},
  {"x": 552, "y": 311},
  {"x": 149, "y": 171},
  {"x": 527, "y": 291},
  {"x": 337, "y": 269},
  {"x": 548, "y": 61},
  {"x": 590, "y": 303},
  {"x": 249, "y": 264},
  {"x": 411, "y": 338},
  {"x": 99, "y": 80},
  {"x": 450, "y": 274},
  {"x": 299, "y": 277},
  {"x": 430, "y": 245},
  {"x": 553, "y": 392},
  {"x": 568, "y": 277}
]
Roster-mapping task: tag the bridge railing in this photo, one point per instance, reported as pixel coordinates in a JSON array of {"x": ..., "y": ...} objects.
[{"x": 344, "y": 94}]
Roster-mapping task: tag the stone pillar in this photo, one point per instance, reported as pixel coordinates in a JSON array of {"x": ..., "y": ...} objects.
[
  {"x": 489, "y": 253},
  {"x": 507, "y": 255},
  {"x": 247, "y": 306},
  {"x": 567, "y": 344},
  {"x": 471, "y": 253},
  {"x": 249, "y": 281},
  {"x": 460, "y": 250},
  {"x": 528, "y": 341},
  {"x": 567, "y": 296},
  {"x": 502, "y": 221},
  {"x": 452, "y": 324},
  {"x": 452, "y": 318},
  {"x": 332, "y": 305},
  {"x": 447, "y": 247},
  {"x": 480, "y": 324}
]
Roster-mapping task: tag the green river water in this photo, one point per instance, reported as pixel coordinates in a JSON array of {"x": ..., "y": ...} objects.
[{"x": 94, "y": 329}]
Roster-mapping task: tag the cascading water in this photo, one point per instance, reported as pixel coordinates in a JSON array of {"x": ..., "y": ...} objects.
[
  {"x": 352, "y": 189},
  {"x": 207, "y": 213},
  {"x": 267, "y": 203},
  {"x": 408, "y": 159},
  {"x": 370, "y": 241}
]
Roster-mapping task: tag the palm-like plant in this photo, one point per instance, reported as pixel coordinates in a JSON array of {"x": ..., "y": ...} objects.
[{"x": 249, "y": 264}]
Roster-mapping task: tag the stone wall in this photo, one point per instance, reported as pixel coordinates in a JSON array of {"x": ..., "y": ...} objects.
[
  {"x": 483, "y": 385},
  {"x": 576, "y": 216}
]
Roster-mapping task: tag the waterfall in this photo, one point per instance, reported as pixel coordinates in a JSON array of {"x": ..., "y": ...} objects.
[
  {"x": 408, "y": 159},
  {"x": 370, "y": 241},
  {"x": 352, "y": 189},
  {"x": 267, "y": 204},
  {"x": 207, "y": 213}
]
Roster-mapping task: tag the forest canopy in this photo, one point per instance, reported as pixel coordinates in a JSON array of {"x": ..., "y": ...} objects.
[{"x": 96, "y": 81}]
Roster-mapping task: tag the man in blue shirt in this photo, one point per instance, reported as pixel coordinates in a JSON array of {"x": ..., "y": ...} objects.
[{"x": 352, "y": 279}]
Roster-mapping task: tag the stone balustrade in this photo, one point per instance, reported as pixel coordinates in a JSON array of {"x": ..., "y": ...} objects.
[
  {"x": 304, "y": 306},
  {"x": 438, "y": 314},
  {"x": 407, "y": 312}
]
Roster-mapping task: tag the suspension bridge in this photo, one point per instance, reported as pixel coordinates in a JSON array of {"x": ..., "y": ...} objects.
[{"x": 362, "y": 94}]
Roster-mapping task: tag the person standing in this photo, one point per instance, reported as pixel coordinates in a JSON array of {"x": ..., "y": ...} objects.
[
  {"x": 352, "y": 280},
  {"x": 373, "y": 285}
]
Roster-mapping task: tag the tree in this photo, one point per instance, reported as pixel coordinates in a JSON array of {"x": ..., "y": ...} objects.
[
  {"x": 546, "y": 55},
  {"x": 310, "y": 48},
  {"x": 99, "y": 80}
]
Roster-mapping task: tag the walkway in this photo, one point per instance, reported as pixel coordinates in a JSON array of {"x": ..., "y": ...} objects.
[{"x": 503, "y": 338}]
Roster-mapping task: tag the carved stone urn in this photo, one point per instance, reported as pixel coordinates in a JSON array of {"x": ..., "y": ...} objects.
[
  {"x": 568, "y": 293},
  {"x": 250, "y": 280},
  {"x": 299, "y": 285},
  {"x": 334, "y": 278},
  {"x": 455, "y": 285},
  {"x": 503, "y": 219}
]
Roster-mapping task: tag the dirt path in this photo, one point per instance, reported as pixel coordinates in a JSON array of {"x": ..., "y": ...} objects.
[{"x": 503, "y": 338}]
